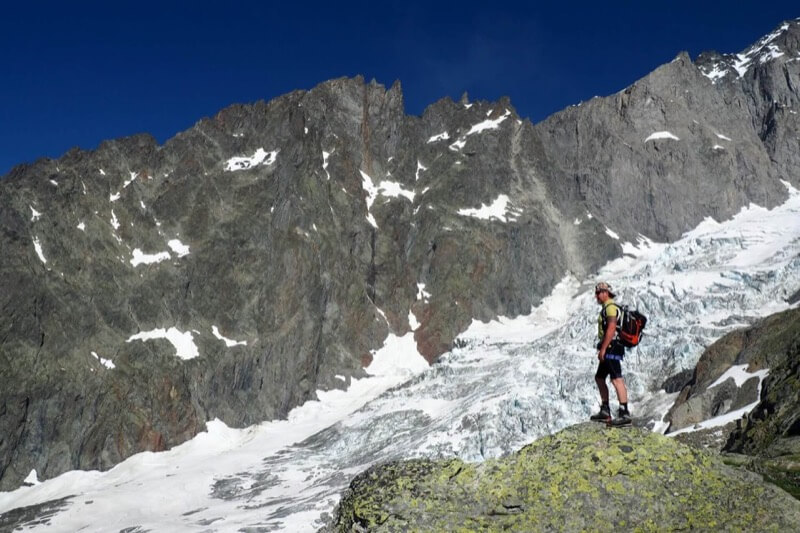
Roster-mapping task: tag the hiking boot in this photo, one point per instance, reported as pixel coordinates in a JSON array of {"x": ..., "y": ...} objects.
[
  {"x": 623, "y": 419},
  {"x": 603, "y": 416}
]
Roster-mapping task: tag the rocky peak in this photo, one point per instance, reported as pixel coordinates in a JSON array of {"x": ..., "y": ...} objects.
[{"x": 783, "y": 43}]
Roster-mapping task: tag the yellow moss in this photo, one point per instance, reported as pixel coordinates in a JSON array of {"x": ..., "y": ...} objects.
[{"x": 585, "y": 478}]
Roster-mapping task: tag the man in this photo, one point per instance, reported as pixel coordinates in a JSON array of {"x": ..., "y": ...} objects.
[{"x": 610, "y": 353}]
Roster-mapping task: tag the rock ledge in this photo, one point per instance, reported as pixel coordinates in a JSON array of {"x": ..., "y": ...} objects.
[{"x": 586, "y": 477}]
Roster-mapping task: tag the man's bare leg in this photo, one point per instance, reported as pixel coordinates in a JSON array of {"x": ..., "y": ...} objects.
[
  {"x": 619, "y": 386},
  {"x": 601, "y": 384}
]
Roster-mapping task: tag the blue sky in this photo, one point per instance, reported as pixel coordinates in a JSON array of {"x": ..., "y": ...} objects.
[{"x": 74, "y": 74}]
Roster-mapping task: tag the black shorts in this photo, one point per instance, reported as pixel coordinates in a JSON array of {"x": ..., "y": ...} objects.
[{"x": 609, "y": 367}]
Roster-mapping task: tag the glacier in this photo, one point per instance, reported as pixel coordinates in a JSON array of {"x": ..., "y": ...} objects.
[{"x": 505, "y": 384}]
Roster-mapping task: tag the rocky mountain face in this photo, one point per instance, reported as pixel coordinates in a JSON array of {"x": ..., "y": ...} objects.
[
  {"x": 266, "y": 252},
  {"x": 769, "y": 436},
  {"x": 761, "y": 350},
  {"x": 763, "y": 80},
  {"x": 585, "y": 478},
  {"x": 766, "y": 437}
]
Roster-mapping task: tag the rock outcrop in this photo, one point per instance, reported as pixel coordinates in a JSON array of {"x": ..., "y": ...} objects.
[
  {"x": 730, "y": 372},
  {"x": 585, "y": 478},
  {"x": 770, "y": 434},
  {"x": 751, "y": 373},
  {"x": 266, "y": 252}
]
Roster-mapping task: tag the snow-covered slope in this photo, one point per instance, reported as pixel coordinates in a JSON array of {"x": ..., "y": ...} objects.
[
  {"x": 769, "y": 47},
  {"x": 507, "y": 383}
]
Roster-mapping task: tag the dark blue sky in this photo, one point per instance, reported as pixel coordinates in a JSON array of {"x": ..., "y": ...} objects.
[{"x": 76, "y": 73}]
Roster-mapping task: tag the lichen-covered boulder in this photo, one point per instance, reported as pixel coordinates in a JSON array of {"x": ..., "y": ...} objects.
[{"x": 587, "y": 477}]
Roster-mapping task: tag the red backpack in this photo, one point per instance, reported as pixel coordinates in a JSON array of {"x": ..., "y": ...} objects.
[{"x": 630, "y": 326}]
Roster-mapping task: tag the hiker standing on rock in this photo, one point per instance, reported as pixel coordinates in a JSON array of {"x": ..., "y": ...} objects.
[{"x": 610, "y": 353}]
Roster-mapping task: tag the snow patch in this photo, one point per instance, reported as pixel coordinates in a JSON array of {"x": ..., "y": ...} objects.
[
  {"x": 133, "y": 177},
  {"x": 662, "y": 135},
  {"x": 183, "y": 342},
  {"x": 489, "y": 124},
  {"x": 478, "y": 128},
  {"x": 38, "y": 247},
  {"x": 35, "y": 214},
  {"x": 178, "y": 247},
  {"x": 499, "y": 209},
  {"x": 716, "y": 73},
  {"x": 32, "y": 478},
  {"x": 553, "y": 312},
  {"x": 412, "y": 321},
  {"x": 325, "y": 156},
  {"x": 458, "y": 145},
  {"x": 739, "y": 374},
  {"x": 383, "y": 315},
  {"x": 441, "y": 137},
  {"x": 228, "y": 342},
  {"x": 386, "y": 188},
  {"x": 392, "y": 189},
  {"x": 718, "y": 421},
  {"x": 422, "y": 294},
  {"x": 82, "y": 226},
  {"x": 140, "y": 258},
  {"x": 114, "y": 197},
  {"x": 105, "y": 362},
  {"x": 372, "y": 193},
  {"x": 260, "y": 157},
  {"x": 420, "y": 166},
  {"x": 771, "y": 53}
]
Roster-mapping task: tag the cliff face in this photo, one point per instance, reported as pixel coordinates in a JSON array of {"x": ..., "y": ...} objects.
[
  {"x": 267, "y": 251},
  {"x": 583, "y": 478},
  {"x": 717, "y": 388},
  {"x": 770, "y": 434},
  {"x": 749, "y": 378}
]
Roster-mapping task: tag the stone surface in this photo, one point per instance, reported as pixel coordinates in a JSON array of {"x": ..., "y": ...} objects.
[
  {"x": 306, "y": 243},
  {"x": 770, "y": 434},
  {"x": 585, "y": 478},
  {"x": 767, "y": 345}
]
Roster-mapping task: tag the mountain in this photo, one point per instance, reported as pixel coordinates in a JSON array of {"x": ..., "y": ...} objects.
[
  {"x": 506, "y": 383},
  {"x": 267, "y": 252}
]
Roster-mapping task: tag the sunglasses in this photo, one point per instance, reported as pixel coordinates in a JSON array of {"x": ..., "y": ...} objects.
[{"x": 598, "y": 292}]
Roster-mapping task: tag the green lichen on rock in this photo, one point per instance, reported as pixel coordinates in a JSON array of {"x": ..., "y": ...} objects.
[{"x": 587, "y": 477}]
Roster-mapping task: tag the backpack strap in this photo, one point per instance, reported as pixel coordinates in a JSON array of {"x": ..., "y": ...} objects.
[
  {"x": 604, "y": 315},
  {"x": 604, "y": 312}
]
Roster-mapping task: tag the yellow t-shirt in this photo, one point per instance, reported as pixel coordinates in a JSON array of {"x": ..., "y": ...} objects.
[{"x": 612, "y": 311}]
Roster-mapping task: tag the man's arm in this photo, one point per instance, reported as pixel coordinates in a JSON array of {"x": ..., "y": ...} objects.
[{"x": 611, "y": 330}]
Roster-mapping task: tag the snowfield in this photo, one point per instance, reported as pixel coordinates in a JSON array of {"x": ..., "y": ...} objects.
[{"x": 509, "y": 382}]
